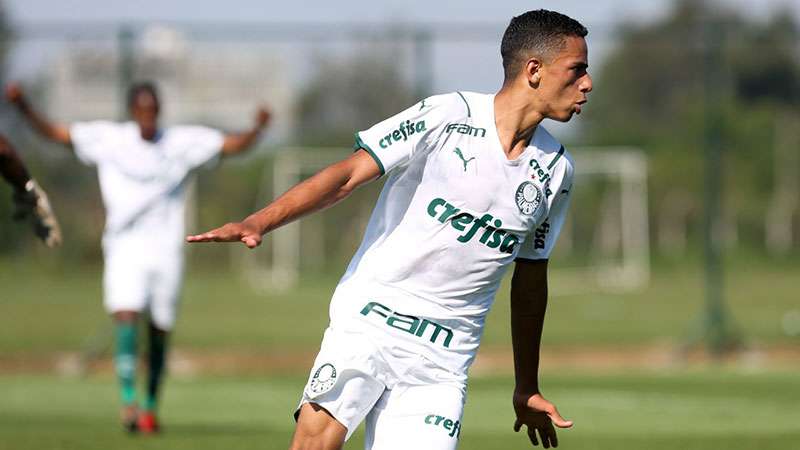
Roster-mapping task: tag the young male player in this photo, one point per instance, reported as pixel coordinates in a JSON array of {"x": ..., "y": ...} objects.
[
  {"x": 30, "y": 201},
  {"x": 143, "y": 171},
  {"x": 474, "y": 183}
]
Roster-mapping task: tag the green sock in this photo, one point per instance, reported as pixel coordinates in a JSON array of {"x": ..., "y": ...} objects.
[
  {"x": 156, "y": 357},
  {"x": 125, "y": 361}
]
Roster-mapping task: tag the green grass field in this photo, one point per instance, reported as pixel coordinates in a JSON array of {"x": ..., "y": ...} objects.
[
  {"x": 700, "y": 410},
  {"x": 48, "y": 311},
  {"x": 220, "y": 313}
]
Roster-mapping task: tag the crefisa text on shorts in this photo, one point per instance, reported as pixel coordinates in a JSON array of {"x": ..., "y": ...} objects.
[{"x": 453, "y": 426}]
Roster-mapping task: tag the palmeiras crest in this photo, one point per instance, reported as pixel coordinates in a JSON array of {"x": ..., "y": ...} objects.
[
  {"x": 323, "y": 380},
  {"x": 529, "y": 198}
]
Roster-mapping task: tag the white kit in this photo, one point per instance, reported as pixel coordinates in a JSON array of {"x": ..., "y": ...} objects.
[
  {"x": 452, "y": 216},
  {"x": 143, "y": 185}
]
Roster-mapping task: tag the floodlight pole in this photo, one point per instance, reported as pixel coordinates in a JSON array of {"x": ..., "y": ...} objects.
[
  {"x": 125, "y": 37},
  {"x": 715, "y": 327},
  {"x": 423, "y": 62}
]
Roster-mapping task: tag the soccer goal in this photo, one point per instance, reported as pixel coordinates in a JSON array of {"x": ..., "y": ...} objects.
[
  {"x": 604, "y": 245},
  {"x": 605, "y": 242},
  {"x": 277, "y": 264}
]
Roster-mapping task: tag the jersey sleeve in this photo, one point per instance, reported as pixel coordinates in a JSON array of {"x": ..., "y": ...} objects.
[
  {"x": 91, "y": 140},
  {"x": 397, "y": 139},
  {"x": 540, "y": 242},
  {"x": 202, "y": 146}
]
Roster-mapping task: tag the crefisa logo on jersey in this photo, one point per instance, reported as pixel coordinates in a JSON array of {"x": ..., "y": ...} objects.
[
  {"x": 543, "y": 176},
  {"x": 323, "y": 380},
  {"x": 402, "y": 133},
  {"x": 529, "y": 198}
]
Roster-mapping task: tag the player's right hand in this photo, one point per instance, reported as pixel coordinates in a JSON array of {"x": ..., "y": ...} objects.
[
  {"x": 230, "y": 232},
  {"x": 14, "y": 93}
]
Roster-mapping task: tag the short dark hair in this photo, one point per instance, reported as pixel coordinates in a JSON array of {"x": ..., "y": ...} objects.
[
  {"x": 142, "y": 87},
  {"x": 539, "y": 33}
]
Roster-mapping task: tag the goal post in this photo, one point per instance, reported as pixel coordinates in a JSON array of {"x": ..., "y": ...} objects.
[
  {"x": 619, "y": 257},
  {"x": 604, "y": 245},
  {"x": 278, "y": 267}
]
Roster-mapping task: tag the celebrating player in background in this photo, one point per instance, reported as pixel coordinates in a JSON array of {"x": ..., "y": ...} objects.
[
  {"x": 143, "y": 172},
  {"x": 474, "y": 183},
  {"x": 30, "y": 201}
]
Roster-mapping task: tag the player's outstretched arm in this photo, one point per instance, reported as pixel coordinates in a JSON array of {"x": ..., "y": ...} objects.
[
  {"x": 528, "y": 306},
  {"x": 53, "y": 131},
  {"x": 324, "y": 189},
  {"x": 30, "y": 201},
  {"x": 237, "y": 143},
  {"x": 11, "y": 167}
]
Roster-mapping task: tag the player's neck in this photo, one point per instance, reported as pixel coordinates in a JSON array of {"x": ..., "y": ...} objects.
[
  {"x": 148, "y": 135},
  {"x": 516, "y": 120}
]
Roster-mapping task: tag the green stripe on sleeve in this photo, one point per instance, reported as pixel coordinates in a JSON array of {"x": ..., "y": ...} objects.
[
  {"x": 558, "y": 156},
  {"x": 469, "y": 113},
  {"x": 360, "y": 144}
]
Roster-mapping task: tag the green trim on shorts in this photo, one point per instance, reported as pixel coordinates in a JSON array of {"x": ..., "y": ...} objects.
[{"x": 360, "y": 144}]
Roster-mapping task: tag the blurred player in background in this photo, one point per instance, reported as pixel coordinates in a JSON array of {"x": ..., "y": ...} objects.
[
  {"x": 143, "y": 171},
  {"x": 474, "y": 184},
  {"x": 30, "y": 201}
]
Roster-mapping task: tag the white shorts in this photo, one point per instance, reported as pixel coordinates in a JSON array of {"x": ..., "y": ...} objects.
[
  {"x": 136, "y": 279},
  {"x": 407, "y": 401}
]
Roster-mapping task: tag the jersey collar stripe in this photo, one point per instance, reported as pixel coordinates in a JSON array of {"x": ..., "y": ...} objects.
[
  {"x": 360, "y": 144},
  {"x": 469, "y": 113},
  {"x": 558, "y": 156}
]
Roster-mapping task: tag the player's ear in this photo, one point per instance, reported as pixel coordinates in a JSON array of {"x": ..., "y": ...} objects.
[{"x": 533, "y": 72}]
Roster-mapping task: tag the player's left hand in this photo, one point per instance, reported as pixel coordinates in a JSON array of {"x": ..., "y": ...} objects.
[
  {"x": 243, "y": 232},
  {"x": 540, "y": 416},
  {"x": 263, "y": 116}
]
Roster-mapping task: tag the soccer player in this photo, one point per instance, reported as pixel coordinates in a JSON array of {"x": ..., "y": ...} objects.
[
  {"x": 143, "y": 171},
  {"x": 474, "y": 183},
  {"x": 30, "y": 201}
]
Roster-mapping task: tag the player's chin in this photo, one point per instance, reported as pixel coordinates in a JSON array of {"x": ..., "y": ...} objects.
[{"x": 565, "y": 116}]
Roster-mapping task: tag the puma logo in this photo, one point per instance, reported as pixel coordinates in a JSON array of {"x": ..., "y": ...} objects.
[{"x": 458, "y": 153}]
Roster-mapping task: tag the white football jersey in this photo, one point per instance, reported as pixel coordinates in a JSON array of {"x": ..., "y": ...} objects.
[
  {"x": 452, "y": 216},
  {"x": 143, "y": 183}
]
